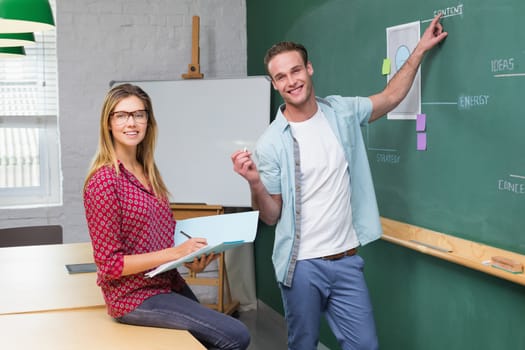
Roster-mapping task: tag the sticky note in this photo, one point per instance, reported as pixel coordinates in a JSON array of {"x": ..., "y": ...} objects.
[
  {"x": 421, "y": 122},
  {"x": 421, "y": 141},
  {"x": 386, "y": 66}
]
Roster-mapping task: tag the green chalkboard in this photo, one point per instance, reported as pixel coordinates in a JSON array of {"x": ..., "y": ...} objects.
[{"x": 470, "y": 181}]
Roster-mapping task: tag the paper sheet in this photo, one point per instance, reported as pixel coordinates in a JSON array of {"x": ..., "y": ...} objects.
[
  {"x": 401, "y": 41},
  {"x": 222, "y": 232}
]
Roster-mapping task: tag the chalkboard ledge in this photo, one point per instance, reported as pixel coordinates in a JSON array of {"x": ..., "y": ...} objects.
[{"x": 460, "y": 251}]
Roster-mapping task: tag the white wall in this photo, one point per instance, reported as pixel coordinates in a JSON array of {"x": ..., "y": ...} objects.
[{"x": 104, "y": 40}]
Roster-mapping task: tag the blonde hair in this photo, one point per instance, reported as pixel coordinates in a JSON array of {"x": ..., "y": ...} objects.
[{"x": 106, "y": 156}]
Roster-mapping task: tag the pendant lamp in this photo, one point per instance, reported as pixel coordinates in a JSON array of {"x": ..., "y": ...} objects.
[
  {"x": 24, "y": 16},
  {"x": 16, "y": 39},
  {"x": 9, "y": 52}
]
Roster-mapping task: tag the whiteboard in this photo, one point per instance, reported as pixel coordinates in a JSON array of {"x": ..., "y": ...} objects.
[{"x": 201, "y": 123}]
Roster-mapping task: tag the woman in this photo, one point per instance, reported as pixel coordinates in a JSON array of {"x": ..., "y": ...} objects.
[{"x": 131, "y": 227}]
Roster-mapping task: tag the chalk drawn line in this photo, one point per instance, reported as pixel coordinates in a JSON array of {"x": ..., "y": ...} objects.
[
  {"x": 444, "y": 16},
  {"x": 439, "y": 103},
  {"x": 368, "y": 148},
  {"x": 509, "y": 75}
]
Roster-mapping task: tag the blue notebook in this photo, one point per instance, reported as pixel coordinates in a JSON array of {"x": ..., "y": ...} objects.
[{"x": 222, "y": 232}]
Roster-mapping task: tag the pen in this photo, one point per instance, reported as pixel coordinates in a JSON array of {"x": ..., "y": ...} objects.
[{"x": 185, "y": 234}]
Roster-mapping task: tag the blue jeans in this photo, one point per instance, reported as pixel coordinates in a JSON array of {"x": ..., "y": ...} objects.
[
  {"x": 183, "y": 311},
  {"x": 337, "y": 289}
]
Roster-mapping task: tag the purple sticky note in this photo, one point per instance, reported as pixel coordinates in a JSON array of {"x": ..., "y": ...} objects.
[
  {"x": 421, "y": 122},
  {"x": 421, "y": 141}
]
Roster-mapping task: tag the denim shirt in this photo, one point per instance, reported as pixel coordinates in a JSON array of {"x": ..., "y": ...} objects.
[{"x": 278, "y": 164}]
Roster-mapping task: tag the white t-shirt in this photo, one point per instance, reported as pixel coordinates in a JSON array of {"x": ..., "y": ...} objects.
[{"x": 326, "y": 218}]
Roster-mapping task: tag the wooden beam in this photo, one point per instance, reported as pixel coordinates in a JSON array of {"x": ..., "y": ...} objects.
[
  {"x": 194, "y": 67},
  {"x": 471, "y": 254}
]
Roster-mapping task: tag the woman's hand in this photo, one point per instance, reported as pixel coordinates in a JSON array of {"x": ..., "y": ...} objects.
[
  {"x": 137, "y": 263},
  {"x": 189, "y": 246},
  {"x": 199, "y": 264}
]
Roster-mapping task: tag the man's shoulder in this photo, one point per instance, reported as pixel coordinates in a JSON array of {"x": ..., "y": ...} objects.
[
  {"x": 335, "y": 100},
  {"x": 347, "y": 106},
  {"x": 272, "y": 139},
  {"x": 276, "y": 127},
  {"x": 270, "y": 135}
]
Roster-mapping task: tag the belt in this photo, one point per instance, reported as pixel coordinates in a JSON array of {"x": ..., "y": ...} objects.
[{"x": 350, "y": 252}]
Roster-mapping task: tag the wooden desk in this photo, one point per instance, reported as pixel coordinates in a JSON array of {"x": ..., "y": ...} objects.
[
  {"x": 86, "y": 329},
  {"x": 58, "y": 310},
  {"x": 34, "y": 278}
]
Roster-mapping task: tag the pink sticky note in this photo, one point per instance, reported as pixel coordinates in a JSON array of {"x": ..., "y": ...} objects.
[
  {"x": 421, "y": 122},
  {"x": 421, "y": 141}
]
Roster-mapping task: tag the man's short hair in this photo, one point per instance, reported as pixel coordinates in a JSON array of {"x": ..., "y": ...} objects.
[{"x": 285, "y": 46}]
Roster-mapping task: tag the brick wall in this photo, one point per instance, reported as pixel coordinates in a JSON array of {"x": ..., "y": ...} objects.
[{"x": 110, "y": 40}]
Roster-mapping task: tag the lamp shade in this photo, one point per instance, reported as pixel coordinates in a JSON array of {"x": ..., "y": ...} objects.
[
  {"x": 7, "y": 52},
  {"x": 16, "y": 39},
  {"x": 24, "y": 16}
]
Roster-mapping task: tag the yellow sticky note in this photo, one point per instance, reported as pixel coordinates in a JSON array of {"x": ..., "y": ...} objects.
[{"x": 386, "y": 66}]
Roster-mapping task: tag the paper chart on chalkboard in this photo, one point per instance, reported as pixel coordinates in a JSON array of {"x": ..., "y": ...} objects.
[{"x": 401, "y": 41}]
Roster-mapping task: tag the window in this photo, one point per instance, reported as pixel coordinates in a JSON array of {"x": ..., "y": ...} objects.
[{"x": 30, "y": 173}]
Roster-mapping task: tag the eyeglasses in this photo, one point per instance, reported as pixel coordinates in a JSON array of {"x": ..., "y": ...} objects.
[{"x": 121, "y": 117}]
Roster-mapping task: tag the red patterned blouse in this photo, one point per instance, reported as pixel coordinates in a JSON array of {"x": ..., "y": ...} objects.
[{"x": 125, "y": 218}]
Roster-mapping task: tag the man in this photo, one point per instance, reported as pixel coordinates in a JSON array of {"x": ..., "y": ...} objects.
[{"x": 310, "y": 176}]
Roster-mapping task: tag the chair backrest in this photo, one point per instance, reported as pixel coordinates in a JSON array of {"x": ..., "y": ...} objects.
[{"x": 30, "y": 235}]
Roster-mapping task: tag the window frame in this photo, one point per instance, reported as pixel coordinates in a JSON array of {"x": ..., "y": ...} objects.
[
  {"x": 49, "y": 193},
  {"x": 45, "y": 119}
]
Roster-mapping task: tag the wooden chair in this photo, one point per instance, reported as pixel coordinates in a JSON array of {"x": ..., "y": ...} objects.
[{"x": 31, "y": 235}]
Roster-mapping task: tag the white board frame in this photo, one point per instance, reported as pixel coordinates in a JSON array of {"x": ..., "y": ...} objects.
[{"x": 201, "y": 123}]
